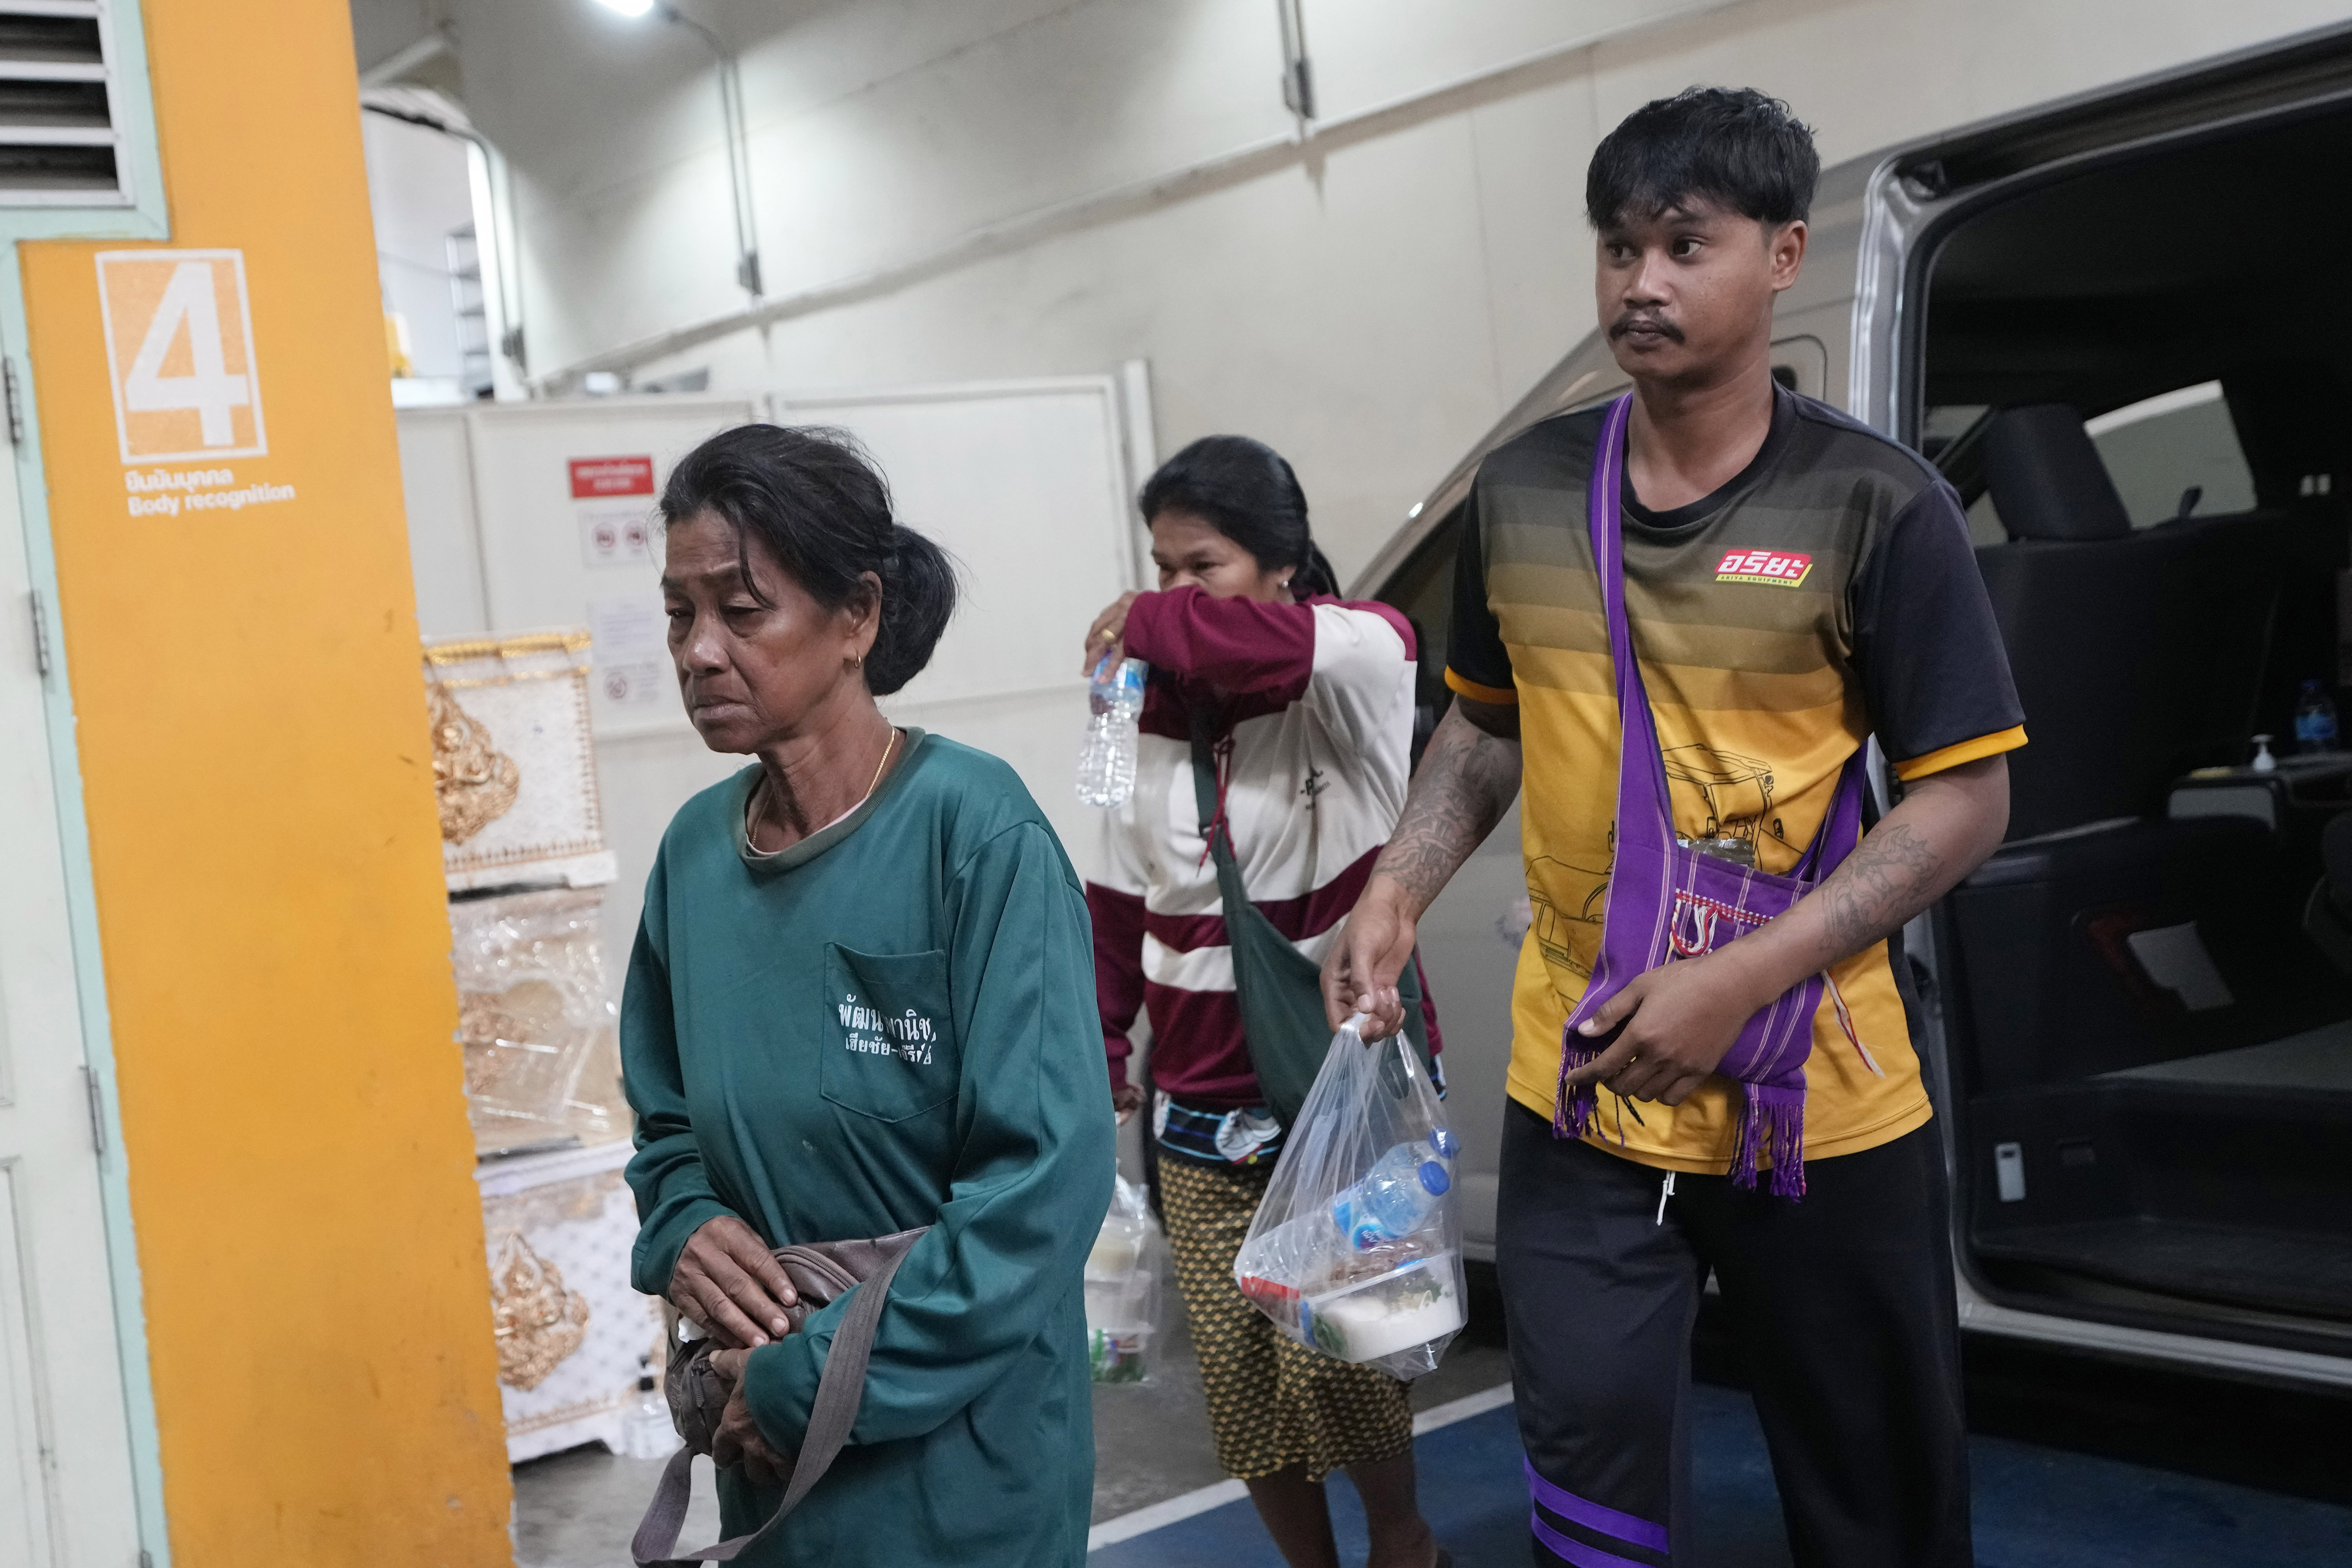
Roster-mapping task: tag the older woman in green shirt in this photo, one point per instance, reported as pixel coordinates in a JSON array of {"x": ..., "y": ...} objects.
[{"x": 861, "y": 1002}]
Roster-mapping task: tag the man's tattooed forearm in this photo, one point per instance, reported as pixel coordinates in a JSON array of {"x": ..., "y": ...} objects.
[
  {"x": 1467, "y": 780},
  {"x": 1889, "y": 878}
]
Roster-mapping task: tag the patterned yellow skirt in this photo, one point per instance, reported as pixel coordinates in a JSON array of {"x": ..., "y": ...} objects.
[{"x": 1272, "y": 1402}]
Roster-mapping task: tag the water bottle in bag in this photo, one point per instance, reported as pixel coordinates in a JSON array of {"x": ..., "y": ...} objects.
[
  {"x": 1107, "y": 761},
  {"x": 2314, "y": 719},
  {"x": 1397, "y": 1194},
  {"x": 1356, "y": 1249}
]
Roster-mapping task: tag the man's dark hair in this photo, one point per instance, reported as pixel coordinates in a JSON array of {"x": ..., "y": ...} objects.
[{"x": 1731, "y": 146}]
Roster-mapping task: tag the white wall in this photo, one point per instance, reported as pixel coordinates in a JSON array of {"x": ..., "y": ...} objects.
[
  {"x": 418, "y": 192},
  {"x": 1369, "y": 307}
]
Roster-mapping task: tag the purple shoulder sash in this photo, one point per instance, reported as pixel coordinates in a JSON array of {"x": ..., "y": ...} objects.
[{"x": 1667, "y": 902}]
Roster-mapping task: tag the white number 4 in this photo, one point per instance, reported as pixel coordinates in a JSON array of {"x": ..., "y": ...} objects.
[
  {"x": 211, "y": 391},
  {"x": 189, "y": 310}
]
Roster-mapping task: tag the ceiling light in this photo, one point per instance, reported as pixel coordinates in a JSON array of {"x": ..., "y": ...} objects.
[{"x": 627, "y": 7}]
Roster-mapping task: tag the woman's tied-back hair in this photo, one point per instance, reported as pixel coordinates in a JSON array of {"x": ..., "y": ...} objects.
[
  {"x": 815, "y": 500},
  {"x": 1732, "y": 146},
  {"x": 1244, "y": 490}
]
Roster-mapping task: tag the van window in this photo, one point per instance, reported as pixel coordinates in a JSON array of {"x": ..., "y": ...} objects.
[
  {"x": 1944, "y": 424},
  {"x": 2158, "y": 449}
]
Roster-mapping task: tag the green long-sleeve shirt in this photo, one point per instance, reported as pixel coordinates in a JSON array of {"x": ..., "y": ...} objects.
[{"x": 890, "y": 1024}]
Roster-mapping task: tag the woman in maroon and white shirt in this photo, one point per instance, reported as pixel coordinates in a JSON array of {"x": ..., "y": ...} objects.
[{"x": 1311, "y": 699}]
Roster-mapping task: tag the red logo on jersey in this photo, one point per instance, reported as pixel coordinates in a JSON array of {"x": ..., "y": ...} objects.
[{"x": 1781, "y": 568}]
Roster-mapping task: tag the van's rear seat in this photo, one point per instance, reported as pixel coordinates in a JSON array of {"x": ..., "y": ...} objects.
[{"x": 2139, "y": 655}]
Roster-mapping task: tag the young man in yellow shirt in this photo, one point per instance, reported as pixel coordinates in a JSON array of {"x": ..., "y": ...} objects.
[{"x": 1793, "y": 584}]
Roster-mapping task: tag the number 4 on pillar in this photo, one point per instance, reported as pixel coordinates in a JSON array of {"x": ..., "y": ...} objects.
[{"x": 179, "y": 349}]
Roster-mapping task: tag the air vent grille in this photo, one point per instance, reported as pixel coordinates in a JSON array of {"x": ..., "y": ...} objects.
[{"x": 59, "y": 141}]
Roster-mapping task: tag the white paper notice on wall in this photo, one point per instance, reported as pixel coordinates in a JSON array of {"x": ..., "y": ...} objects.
[{"x": 629, "y": 641}]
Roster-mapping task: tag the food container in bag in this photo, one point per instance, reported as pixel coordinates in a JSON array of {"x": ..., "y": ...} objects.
[
  {"x": 1122, "y": 1289},
  {"x": 1356, "y": 1250}
]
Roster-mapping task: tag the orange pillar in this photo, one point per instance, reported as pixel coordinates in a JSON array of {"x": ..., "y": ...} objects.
[{"x": 266, "y": 854}]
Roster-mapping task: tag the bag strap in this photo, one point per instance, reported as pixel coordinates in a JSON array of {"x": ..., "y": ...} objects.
[
  {"x": 1208, "y": 803},
  {"x": 1642, "y": 770},
  {"x": 839, "y": 1391}
]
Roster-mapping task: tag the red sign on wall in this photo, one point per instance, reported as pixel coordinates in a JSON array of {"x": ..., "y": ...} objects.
[{"x": 593, "y": 477}]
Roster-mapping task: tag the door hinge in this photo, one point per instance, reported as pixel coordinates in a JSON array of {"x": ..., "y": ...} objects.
[
  {"x": 41, "y": 636},
  {"x": 96, "y": 1110},
  {"x": 146, "y": 1559},
  {"x": 16, "y": 404}
]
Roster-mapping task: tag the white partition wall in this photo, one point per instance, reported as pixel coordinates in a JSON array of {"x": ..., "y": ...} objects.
[
  {"x": 1030, "y": 485},
  {"x": 535, "y": 514},
  {"x": 523, "y": 516}
]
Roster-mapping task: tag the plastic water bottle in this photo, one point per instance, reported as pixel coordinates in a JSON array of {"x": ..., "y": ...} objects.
[
  {"x": 1298, "y": 1258},
  {"x": 2314, "y": 719},
  {"x": 647, "y": 1432},
  {"x": 1107, "y": 762},
  {"x": 1396, "y": 1195}
]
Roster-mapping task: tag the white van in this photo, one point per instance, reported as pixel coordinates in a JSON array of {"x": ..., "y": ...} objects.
[{"x": 2122, "y": 327}]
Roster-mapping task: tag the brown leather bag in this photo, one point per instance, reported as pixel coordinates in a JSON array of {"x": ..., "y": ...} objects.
[{"x": 820, "y": 1271}]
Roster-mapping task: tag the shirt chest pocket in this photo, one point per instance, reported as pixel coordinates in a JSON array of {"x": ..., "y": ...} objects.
[{"x": 891, "y": 1050}]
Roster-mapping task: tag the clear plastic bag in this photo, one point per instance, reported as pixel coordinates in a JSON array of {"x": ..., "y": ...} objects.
[
  {"x": 1356, "y": 1248},
  {"x": 538, "y": 1033},
  {"x": 1123, "y": 1289}
]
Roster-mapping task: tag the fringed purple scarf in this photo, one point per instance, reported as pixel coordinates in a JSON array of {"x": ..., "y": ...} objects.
[{"x": 1667, "y": 902}]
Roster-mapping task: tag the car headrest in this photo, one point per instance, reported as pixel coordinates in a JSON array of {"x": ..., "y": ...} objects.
[
  {"x": 2046, "y": 479},
  {"x": 2336, "y": 861}
]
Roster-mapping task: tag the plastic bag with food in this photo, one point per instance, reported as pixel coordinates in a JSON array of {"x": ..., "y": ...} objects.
[
  {"x": 1123, "y": 1290},
  {"x": 1356, "y": 1248}
]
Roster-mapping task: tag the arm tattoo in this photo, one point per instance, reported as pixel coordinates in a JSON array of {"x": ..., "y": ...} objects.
[
  {"x": 1467, "y": 779},
  {"x": 1891, "y": 876}
]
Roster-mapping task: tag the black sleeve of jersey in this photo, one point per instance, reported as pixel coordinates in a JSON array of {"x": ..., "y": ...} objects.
[
  {"x": 1474, "y": 644},
  {"x": 1933, "y": 668}
]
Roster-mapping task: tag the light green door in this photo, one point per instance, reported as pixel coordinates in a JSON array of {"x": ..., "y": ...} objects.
[{"x": 65, "y": 1459}]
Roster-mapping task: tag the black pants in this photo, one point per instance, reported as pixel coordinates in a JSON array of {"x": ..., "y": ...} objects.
[{"x": 1843, "y": 1308}]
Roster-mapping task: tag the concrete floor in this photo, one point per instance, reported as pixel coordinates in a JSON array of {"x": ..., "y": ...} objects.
[
  {"x": 578, "y": 1508},
  {"x": 2079, "y": 1464},
  {"x": 2036, "y": 1506},
  {"x": 2165, "y": 1437}
]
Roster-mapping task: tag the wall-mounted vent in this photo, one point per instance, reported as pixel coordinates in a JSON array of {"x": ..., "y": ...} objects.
[{"x": 59, "y": 143}]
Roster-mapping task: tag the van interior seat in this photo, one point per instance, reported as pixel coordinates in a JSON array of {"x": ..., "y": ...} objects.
[
  {"x": 2138, "y": 655},
  {"x": 2328, "y": 916}
]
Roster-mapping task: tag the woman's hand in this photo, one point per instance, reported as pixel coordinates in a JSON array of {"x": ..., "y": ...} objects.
[
  {"x": 1107, "y": 632},
  {"x": 730, "y": 1282},
  {"x": 738, "y": 1441},
  {"x": 1125, "y": 1102}
]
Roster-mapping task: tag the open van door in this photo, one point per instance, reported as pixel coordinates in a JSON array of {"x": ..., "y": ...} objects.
[
  {"x": 2138, "y": 1015},
  {"x": 2143, "y": 1002}
]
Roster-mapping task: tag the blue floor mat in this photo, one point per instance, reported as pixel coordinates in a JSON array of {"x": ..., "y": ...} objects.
[{"x": 2035, "y": 1507}]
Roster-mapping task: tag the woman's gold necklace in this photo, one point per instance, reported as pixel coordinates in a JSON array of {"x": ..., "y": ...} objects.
[{"x": 759, "y": 806}]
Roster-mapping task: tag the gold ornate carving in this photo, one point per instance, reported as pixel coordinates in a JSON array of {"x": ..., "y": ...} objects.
[
  {"x": 512, "y": 1039},
  {"x": 475, "y": 782},
  {"x": 538, "y": 1322}
]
